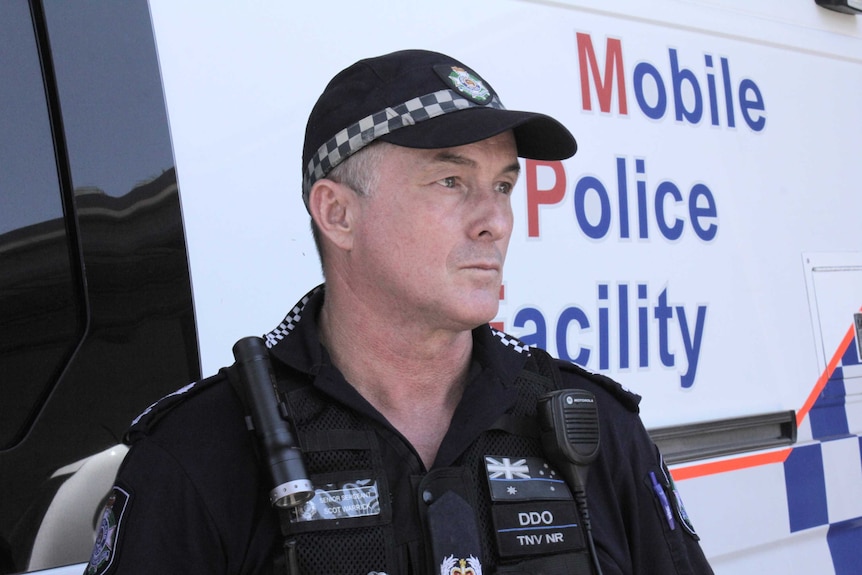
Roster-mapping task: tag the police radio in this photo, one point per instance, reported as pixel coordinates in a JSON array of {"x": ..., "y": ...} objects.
[
  {"x": 271, "y": 421},
  {"x": 569, "y": 421}
]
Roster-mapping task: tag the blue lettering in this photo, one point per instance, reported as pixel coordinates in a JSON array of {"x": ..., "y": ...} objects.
[
  {"x": 604, "y": 332},
  {"x": 640, "y": 169},
  {"x": 623, "y": 195},
  {"x": 585, "y": 185},
  {"x": 596, "y": 224},
  {"x": 710, "y": 86},
  {"x": 728, "y": 93},
  {"x": 697, "y": 211},
  {"x": 643, "y": 326},
  {"x": 747, "y": 87},
  {"x": 664, "y": 314},
  {"x": 678, "y": 77},
  {"x": 569, "y": 315},
  {"x": 689, "y": 97},
  {"x": 691, "y": 344},
  {"x": 671, "y": 232},
  {"x": 655, "y": 112},
  {"x": 538, "y": 337},
  {"x": 623, "y": 292},
  {"x": 651, "y": 91}
]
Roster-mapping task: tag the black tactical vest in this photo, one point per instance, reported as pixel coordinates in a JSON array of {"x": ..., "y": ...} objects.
[{"x": 501, "y": 510}]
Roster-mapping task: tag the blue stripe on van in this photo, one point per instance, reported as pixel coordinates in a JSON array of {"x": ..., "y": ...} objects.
[
  {"x": 806, "y": 488},
  {"x": 828, "y": 416},
  {"x": 844, "y": 545}
]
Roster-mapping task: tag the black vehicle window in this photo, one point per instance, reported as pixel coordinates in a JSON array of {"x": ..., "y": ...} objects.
[
  {"x": 40, "y": 315},
  {"x": 123, "y": 93}
]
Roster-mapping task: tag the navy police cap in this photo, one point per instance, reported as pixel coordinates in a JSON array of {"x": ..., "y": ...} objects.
[{"x": 417, "y": 99}]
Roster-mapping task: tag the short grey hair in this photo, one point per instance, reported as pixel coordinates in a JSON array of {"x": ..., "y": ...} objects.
[{"x": 358, "y": 172}]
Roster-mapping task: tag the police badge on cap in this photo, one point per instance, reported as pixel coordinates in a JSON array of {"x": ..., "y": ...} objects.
[{"x": 465, "y": 82}]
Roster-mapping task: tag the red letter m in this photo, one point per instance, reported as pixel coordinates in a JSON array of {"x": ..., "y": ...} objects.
[{"x": 604, "y": 85}]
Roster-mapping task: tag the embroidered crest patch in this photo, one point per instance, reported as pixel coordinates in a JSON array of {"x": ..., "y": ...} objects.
[
  {"x": 109, "y": 531},
  {"x": 453, "y": 566},
  {"x": 677, "y": 502},
  {"x": 466, "y": 83}
]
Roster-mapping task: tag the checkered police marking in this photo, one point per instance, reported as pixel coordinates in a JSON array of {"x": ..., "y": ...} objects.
[
  {"x": 288, "y": 324},
  {"x": 181, "y": 391},
  {"x": 511, "y": 341},
  {"x": 815, "y": 516},
  {"x": 824, "y": 478},
  {"x": 355, "y": 137}
]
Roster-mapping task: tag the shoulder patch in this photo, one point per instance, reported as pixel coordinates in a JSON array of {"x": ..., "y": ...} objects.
[
  {"x": 108, "y": 534},
  {"x": 630, "y": 400},
  {"x": 677, "y": 503}
]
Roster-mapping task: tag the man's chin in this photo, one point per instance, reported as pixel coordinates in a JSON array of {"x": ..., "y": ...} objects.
[{"x": 482, "y": 312}]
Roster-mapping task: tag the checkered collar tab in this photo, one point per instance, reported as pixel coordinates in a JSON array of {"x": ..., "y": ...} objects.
[
  {"x": 291, "y": 320},
  {"x": 468, "y": 91},
  {"x": 501, "y": 352}
]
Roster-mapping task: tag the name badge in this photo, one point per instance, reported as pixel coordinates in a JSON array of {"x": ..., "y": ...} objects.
[
  {"x": 537, "y": 527},
  {"x": 360, "y": 498}
]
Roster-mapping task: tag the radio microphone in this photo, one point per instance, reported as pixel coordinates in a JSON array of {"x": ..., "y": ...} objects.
[
  {"x": 271, "y": 421},
  {"x": 569, "y": 422}
]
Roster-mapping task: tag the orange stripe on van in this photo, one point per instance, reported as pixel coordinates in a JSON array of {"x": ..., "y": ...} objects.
[
  {"x": 746, "y": 461},
  {"x": 824, "y": 377},
  {"x": 735, "y": 464}
]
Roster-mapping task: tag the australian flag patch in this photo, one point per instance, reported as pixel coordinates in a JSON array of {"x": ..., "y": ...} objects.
[{"x": 524, "y": 479}]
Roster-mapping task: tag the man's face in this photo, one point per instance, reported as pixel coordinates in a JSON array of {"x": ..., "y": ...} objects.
[{"x": 432, "y": 235}]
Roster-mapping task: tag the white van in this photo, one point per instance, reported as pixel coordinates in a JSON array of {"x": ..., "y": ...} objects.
[{"x": 703, "y": 247}]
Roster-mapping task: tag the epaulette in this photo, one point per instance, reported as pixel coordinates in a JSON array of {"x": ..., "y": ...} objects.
[
  {"x": 144, "y": 422},
  {"x": 550, "y": 366},
  {"x": 630, "y": 400}
]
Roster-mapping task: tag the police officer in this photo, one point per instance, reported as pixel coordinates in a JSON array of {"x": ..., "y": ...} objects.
[{"x": 417, "y": 420}]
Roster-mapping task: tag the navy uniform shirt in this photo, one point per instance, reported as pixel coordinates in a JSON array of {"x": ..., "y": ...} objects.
[{"x": 192, "y": 497}]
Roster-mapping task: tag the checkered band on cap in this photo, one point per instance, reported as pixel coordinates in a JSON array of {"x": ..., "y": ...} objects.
[{"x": 355, "y": 137}]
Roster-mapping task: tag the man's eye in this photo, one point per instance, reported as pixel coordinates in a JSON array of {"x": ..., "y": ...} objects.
[
  {"x": 449, "y": 182},
  {"x": 504, "y": 188}
]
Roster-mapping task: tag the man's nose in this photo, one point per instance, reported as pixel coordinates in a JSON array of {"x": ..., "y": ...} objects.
[{"x": 492, "y": 215}]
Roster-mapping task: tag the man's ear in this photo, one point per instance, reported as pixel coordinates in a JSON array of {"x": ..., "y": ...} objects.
[{"x": 332, "y": 207}]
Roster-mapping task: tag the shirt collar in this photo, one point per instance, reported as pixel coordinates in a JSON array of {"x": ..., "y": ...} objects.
[
  {"x": 296, "y": 342},
  {"x": 496, "y": 362}
]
